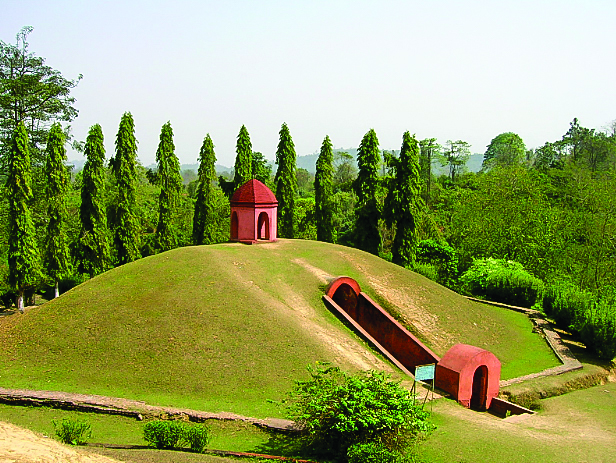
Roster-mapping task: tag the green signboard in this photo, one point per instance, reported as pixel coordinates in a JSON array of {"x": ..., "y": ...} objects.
[{"x": 425, "y": 372}]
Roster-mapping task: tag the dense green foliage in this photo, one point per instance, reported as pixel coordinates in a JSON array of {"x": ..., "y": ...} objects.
[
  {"x": 31, "y": 93},
  {"x": 243, "y": 159},
  {"x": 323, "y": 192},
  {"x": 506, "y": 149},
  {"x": 368, "y": 207},
  {"x": 23, "y": 255},
  {"x": 176, "y": 435},
  {"x": 73, "y": 432},
  {"x": 170, "y": 182},
  {"x": 93, "y": 252},
  {"x": 442, "y": 257},
  {"x": 204, "y": 225},
  {"x": 57, "y": 259},
  {"x": 502, "y": 280},
  {"x": 286, "y": 183},
  {"x": 338, "y": 410},
  {"x": 403, "y": 202},
  {"x": 124, "y": 167},
  {"x": 591, "y": 317}
]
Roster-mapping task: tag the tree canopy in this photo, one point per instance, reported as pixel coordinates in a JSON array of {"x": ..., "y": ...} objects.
[
  {"x": 31, "y": 93},
  {"x": 323, "y": 192},
  {"x": 286, "y": 183},
  {"x": 506, "y": 149},
  {"x": 203, "y": 219},
  {"x": 23, "y": 255}
]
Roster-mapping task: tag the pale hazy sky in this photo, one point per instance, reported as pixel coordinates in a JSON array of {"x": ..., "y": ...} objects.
[{"x": 447, "y": 69}]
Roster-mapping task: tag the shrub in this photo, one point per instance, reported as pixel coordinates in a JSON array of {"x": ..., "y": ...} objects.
[
  {"x": 337, "y": 410},
  {"x": 72, "y": 432},
  {"x": 443, "y": 257},
  {"x": 503, "y": 281},
  {"x": 197, "y": 437},
  {"x": 566, "y": 304},
  {"x": 427, "y": 270},
  {"x": 591, "y": 317},
  {"x": 372, "y": 452},
  {"x": 164, "y": 434},
  {"x": 597, "y": 327},
  {"x": 176, "y": 435}
]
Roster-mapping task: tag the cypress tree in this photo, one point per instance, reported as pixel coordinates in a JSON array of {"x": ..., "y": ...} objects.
[
  {"x": 123, "y": 166},
  {"x": 203, "y": 220},
  {"x": 170, "y": 182},
  {"x": 286, "y": 182},
  {"x": 243, "y": 159},
  {"x": 93, "y": 246},
  {"x": 323, "y": 191},
  {"x": 403, "y": 201},
  {"x": 57, "y": 259},
  {"x": 24, "y": 263},
  {"x": 367, "y": 210}
]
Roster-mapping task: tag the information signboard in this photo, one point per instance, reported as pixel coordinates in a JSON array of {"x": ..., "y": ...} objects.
[{"x": 425, "y": 372}]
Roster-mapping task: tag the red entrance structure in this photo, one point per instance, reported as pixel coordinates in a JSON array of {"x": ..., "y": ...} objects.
[{"x": 254, "y": 213}]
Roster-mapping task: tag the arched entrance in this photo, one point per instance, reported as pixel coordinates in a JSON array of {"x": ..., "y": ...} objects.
[
  {"x": 263, "y": 227},
  {"x": 479, "y": 395},
  {"x": 234, "y": 226},
  {"x": 346, "y": 298}
]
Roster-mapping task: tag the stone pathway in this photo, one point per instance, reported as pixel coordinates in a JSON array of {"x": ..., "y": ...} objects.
[
  {"x": 125, "y": 407},
  {"x": 544, "y": 328}
]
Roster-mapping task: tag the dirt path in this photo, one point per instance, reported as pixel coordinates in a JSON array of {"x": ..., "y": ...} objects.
[{"x": 19, "y": 445}]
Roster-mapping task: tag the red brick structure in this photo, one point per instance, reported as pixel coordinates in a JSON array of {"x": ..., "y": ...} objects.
[
  {"x": 254, "y": 213},
  {"x": 470, "y": 374}
]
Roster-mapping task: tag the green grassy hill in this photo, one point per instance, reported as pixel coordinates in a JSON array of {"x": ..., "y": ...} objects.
[{"x": 226, "y": 327}]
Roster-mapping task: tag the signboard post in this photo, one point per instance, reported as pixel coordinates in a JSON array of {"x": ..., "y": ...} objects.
[{"x": 425, "y": 373}]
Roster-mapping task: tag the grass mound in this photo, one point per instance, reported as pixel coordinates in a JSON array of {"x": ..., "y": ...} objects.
[{"x": 225, "y": 327}]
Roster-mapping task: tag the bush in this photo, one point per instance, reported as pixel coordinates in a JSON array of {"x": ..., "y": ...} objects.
[
  {"x": 591, "y": 317},
  {"x": 566, "y": 304},
  {"x": 72, "y": 432},
  {"x": 503, "y": 281},
  {"x": 176, "y": 435},
  {"x": 442, "y": 257},
  {"x": 197, "y": 436},
  {"x": 337, "y": 410},
  {"x": 372, "y": 452}
]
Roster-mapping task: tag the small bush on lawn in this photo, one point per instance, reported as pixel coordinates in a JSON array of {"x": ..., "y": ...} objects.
[
  {"x": 197, "y": 437},
  {"x": 73, "y": 432},
  {"x": 503, "y": 281},
  {"x": 176, "y": 435},
  {"x": 337, "y": 410}
]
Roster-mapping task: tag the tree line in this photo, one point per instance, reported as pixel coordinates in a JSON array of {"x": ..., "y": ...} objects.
[{"x": 551, "y": 209}]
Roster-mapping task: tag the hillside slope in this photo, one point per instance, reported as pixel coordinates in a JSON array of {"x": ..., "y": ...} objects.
[{"x": 225, "y": 327}]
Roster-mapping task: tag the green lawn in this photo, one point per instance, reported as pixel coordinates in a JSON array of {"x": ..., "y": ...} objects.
[
  {"x": 227, "y": 327},
  {"x": 577, "y": 427}
]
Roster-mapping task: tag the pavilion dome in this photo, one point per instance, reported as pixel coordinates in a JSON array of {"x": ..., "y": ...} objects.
[{"x": 253, "y": 192}]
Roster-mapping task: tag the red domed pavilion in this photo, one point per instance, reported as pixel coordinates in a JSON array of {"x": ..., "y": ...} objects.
[{"x": 254, "y": 213}]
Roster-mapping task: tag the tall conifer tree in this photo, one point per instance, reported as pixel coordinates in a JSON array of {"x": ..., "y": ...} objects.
[
  {"x": 170, "y": 182},
  {"x": 57, "y": 258},
  {"x": 93, "y": 246},
  {"x": 24, "y": 261},
  {"x": 403, "y": 201},
  {"x": 367, "y": 210},
  {"x": 323, "y": 191},
  {"x": 125, "y": 227},
  {"x": 286, "y": 183},
  {"x": 243, "y": 159},
  {"x": 203, "y": 220}
]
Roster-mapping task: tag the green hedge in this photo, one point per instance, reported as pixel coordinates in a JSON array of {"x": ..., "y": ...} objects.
[
  {"x": 503, "y": 281},
  {"x": 176, "y": 435},
  {"x": 590, "y": 317}
]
